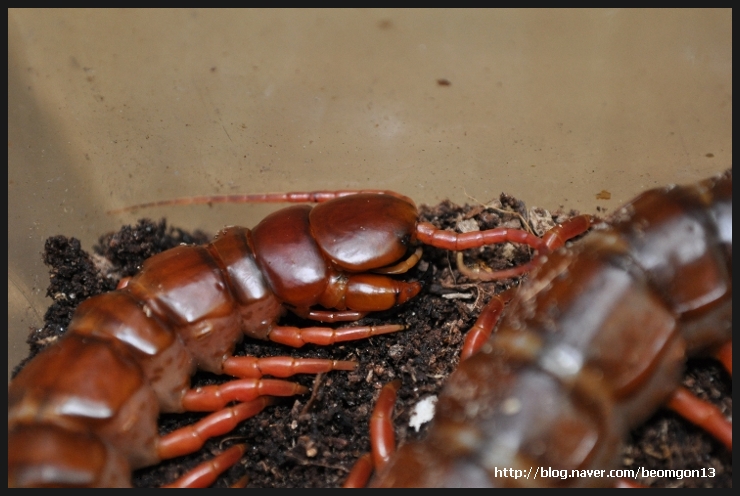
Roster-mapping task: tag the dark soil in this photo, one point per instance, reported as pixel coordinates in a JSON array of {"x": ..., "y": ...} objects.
[{"x": 313, "y": 440}]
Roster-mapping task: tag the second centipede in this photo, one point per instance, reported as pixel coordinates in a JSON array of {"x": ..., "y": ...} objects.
[{"x": 590, "y": 346}]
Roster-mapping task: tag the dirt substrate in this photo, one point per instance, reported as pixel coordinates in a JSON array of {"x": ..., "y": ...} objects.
[{"x": 313, "y": 440}]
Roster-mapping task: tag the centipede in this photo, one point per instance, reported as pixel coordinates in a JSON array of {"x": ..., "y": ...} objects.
[
  {"x": 187, "y": 308},
  {"x": 404, "y": 360},
  {"x": 592, "y": 344}
]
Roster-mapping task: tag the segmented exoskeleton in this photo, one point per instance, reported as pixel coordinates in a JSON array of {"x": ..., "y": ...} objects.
[
  {"x": 84, "y": 411},
  {"x": 592, "y": 344}
]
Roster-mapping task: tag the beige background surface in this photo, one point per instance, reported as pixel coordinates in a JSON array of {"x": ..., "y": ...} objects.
[{"x": 112, "y": 108}]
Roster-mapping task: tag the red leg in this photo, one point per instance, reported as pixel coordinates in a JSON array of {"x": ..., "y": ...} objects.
[
  {"x": 282, "y": 366},
  {"x": 703, "y": 414},
  {"x": 213, "y": 398},
  {"x": 382, "y": 438},
  {"x": 324, "y": 336},
  {"x": 192, "y": 437},
  {"x": 207, "y": 472},
  {"x": 486, "y": 274},
  {"x": 382, "y": 433},
  {"x": 558, "y": 235},
  {"x": 487, "y": 320},
  {"x": 361, "y": 472}
]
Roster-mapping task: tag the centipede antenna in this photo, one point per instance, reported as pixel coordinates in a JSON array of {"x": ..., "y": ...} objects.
[{"x": 294, "y": 197}]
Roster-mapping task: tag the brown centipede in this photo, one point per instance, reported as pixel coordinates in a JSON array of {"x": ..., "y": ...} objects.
[
  {"x": 184, "y": 311},
  {"x": 589, "y": 347}
]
